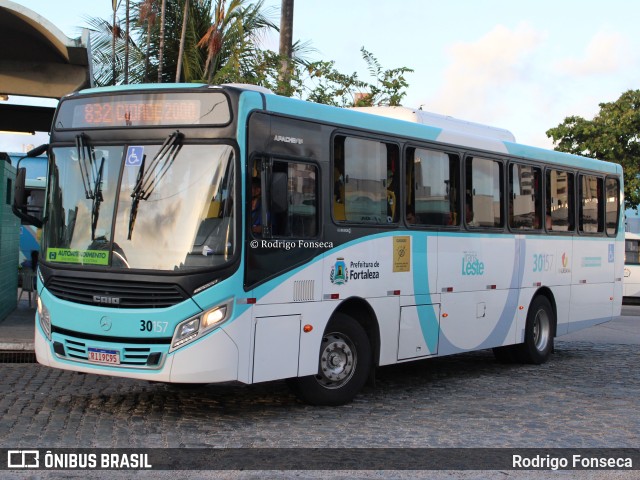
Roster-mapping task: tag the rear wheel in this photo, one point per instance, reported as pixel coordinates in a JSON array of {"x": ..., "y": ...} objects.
[
  {"x": 343, "y": 365},
  {"x": 538, "y": 336}
]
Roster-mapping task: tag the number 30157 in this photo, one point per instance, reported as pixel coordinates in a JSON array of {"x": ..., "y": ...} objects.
[{"x": 153, "y": 326}]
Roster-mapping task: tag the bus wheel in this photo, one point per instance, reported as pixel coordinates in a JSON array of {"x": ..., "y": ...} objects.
[
  {"x": 538, "y": 335},
  {"x": 343, "y": 365}
]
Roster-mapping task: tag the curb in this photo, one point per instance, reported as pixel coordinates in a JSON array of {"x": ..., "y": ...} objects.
[{"x": 17, "y": 347}]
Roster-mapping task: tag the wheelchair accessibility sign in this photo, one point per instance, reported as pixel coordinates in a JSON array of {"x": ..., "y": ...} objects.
[{"x": 134, "y": 156}]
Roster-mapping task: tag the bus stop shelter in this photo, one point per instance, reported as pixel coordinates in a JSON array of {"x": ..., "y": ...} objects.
[{"x": 37, "y": 60}]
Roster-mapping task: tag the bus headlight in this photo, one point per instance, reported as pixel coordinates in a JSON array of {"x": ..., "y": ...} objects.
[
  {"x": 188, "y": 329},
  {"x": 45, "y": 318},
  {"x": 195, "y": 327},
  {"x": 214, "y": 317}
]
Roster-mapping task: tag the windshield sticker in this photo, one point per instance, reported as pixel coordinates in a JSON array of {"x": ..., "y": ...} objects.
[
  {"x": 84, "y": 257},
  {"x": 134, "y": 156}
]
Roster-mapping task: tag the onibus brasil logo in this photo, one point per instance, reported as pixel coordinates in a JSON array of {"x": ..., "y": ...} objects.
[{"x": 339, "y": 274}]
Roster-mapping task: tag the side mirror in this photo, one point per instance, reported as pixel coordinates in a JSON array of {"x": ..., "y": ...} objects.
[
  {"x": 19, "y": 195},
  {"x": 19, "y": 206}
]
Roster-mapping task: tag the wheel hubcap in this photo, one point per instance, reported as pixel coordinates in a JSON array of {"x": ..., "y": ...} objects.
[
  {"x": 541, "y": 330},
  {"x": 337, "y": 360}
]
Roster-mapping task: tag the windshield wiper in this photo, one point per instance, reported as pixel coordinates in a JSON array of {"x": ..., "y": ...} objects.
[
  {"x": 91, "y": 175},
  {"x": 147, "y": 180}
]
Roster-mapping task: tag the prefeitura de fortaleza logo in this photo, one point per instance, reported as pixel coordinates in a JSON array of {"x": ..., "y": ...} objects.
[{"x": 339, "y": 274}]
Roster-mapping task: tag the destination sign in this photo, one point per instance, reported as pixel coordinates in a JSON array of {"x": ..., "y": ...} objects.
[
  {"x": 143, "y": 110},
  {"x": 109, "y": 114}
]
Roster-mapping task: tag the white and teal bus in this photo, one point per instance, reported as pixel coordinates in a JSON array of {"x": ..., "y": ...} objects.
[{"x": 200, "y": 234}]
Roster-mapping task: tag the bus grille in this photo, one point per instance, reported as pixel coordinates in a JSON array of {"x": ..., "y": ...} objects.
[
  {"x": 128, "y": 294},
  {"x": 132, "y": 357}
]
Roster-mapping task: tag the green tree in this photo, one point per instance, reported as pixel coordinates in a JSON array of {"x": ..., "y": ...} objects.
[
  {"x": 163, "y": 23},
  {"x": 108, "y": 69},
  {"x": 183, "y": 39},
  {"x": 613, "y": 135},
  {"x": 232, "y": 41},
  {"x": 321, "y": 82},
  {"x": 218, "y": 41},
  {"x": 147, "y": 15},
  {"x": 238, "y": 28},
  {"x": 389, "y": 86}
]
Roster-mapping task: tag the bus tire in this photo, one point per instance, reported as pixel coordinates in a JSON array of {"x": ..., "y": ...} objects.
[
  {"x": 538, "y": 335},
  {"x": 344, "y": 363}
]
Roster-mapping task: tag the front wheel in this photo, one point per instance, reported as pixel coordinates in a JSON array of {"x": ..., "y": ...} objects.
[
  {"x": 538, "y": 335},
  {"x": 343, "y": 365}
]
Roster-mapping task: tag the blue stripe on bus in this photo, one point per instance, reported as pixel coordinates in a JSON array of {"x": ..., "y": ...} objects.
[{"x": 429, "y": 323}]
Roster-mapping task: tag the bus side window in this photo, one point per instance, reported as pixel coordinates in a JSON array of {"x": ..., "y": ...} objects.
[
  {"x": 338, "y": 180},
  {"x": 393, "y": 181},
  {"x": 433, "y": 188},
  {"x": 484, "y": 192},
  {"x": 632, "y": 252},
  {"x": 525, "y": 197},
  {"x": 299, "y": 217},
  {"x": 612, "y": 205},
  {"x": 370, "y": 184},
  {"x": 560, "y": 200},
  {"x": 591, "y": 204}
]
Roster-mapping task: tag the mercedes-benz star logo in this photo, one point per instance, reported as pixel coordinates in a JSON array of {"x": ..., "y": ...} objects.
[{"x": 105, "y": 324}]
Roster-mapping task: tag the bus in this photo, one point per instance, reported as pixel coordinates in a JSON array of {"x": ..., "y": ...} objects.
[
  {"x": 207, "y": 234},
  {"x": 631, "y": 292}
]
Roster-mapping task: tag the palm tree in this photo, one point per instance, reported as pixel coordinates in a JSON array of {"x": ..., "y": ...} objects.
[
  {"x": 286, "y": 45},
  {"x": 108, "y": 68},
  {"x": 161, "y": 51},
  {"x": 192, "y": 57},
  {"x": 236, "y": 24},
  {"x": 147, "y": 14},
  {"x": 212, "y": 40},
  {"x": 232, "y": 39},
  {"x": 183, "y": 35},
  {"x": 126, "y": 44},
  {"x": 114, "y": 34}
]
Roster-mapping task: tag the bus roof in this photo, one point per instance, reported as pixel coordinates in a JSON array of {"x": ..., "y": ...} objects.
[
  {"x": 138, "y": 86},
  {"x": 452, "y": 132},
  {"x": 437, "y": 120},
  {"x": 393, "y": 126}
]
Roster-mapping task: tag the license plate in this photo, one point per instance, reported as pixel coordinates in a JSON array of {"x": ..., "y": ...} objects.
[{"x": 101, "y": 355}]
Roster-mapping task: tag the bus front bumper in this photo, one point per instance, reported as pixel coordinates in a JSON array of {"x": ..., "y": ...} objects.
[{"x": 211, "y": 359}]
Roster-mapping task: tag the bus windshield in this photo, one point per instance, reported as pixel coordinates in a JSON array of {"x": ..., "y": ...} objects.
[{"x": 157, "y": 207}]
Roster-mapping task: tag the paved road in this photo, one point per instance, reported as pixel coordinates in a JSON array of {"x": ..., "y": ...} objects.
[{"x": 586, "y": 396}]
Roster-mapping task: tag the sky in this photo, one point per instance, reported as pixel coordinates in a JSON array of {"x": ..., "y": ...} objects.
[{"x": 522, "y": 65}]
